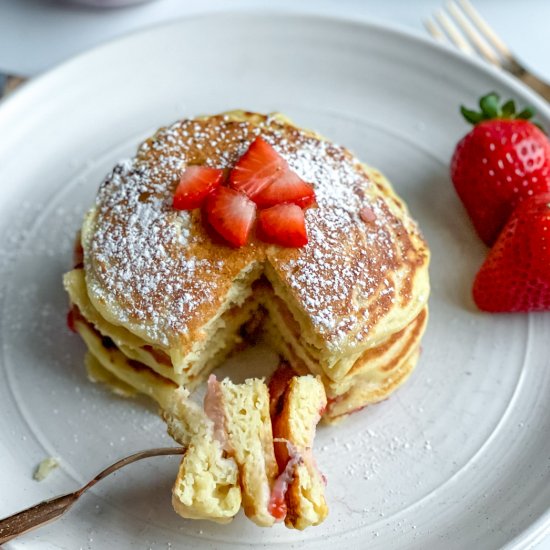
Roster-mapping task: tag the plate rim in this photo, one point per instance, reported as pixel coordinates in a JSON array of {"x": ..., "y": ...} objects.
[{"x": 542, "y": 106}]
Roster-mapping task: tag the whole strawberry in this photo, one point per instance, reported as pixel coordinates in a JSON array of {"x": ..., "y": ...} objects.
[
  {"x": 504, "y": 159},
  {"x": 516, "y": 274}
]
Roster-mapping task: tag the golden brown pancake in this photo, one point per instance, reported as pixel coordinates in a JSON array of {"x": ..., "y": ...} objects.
[
  {"x": 350, "y": 306},
  {"x": 162, "y": 277}
]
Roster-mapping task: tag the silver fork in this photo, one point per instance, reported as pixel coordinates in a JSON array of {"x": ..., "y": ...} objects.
[
  {"x": 49, "y": 510},
  {"x": 462, "y": 25}
]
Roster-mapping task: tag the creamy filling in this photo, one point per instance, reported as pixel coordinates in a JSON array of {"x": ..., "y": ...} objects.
[{"x": 214, "y": 409}]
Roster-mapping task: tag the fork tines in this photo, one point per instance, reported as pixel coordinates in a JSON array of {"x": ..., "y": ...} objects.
[{"x": 462, "y": 25}]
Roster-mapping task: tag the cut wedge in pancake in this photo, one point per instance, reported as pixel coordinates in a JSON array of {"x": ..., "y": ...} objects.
[
  {"x": 225, "y": 338},
  {"x": 373, "y": 378}
]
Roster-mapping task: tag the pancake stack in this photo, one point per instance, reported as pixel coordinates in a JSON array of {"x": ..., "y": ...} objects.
[{"x": 160, "y": 301}]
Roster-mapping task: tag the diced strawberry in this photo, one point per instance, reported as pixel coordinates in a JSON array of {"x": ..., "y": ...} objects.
[
  {"x": 284, "y": 225},
  {"x": 231, "y": 214},
  {"x": 257, "y": 168},
  {"x": 195, "y": 185},
  {"x": 264, "y": 176},
  {"x": 288, "y": 187}
]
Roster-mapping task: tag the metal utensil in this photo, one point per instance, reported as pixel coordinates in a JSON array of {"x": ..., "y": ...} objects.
[
  {"x": 49, "y": 510},
  {"x": 462, "y": 26}
]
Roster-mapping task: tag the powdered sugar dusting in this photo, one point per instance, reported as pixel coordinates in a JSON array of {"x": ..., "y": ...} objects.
[
  {"x": 342, "y": 277},
  {"x": 159, "y": 270}
]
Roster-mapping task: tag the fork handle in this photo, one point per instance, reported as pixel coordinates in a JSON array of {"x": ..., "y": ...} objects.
[
  {"x": 535, "y": 83},
  {"x": 35, "y": 516}
]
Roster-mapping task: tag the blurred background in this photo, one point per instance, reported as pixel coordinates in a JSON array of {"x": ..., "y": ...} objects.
[{"x": 37, "y": 34}]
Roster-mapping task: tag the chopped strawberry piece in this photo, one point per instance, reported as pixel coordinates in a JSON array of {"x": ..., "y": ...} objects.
[
  {"x": 231, "y": 214},
  {"x": 257, "y": 168},
  {"x": 516, "y": 274},
  {"x": 287, "y": 187},
  {"x": 284, "y": 225},
  {"x": 264, "y": 176},
  {"x": 195, "y": 185}
]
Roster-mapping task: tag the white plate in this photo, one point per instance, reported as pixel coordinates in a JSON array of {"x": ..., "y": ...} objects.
[{"x": 458, "y": 458}]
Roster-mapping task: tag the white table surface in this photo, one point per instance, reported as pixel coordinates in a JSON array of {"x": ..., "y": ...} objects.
[{"x": 37, "y": 34}]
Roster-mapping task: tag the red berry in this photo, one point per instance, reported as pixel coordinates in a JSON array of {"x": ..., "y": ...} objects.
[
  {"x": 264, "y": 176},
  {"x": 516, "y": 274},
  {"x": 257, "y": 168},
  {"x": 283, "y": 224},
  {"x": 231, "y": 214},
  {"x": 499, "y": 163},
  {"x": 195, "y": 185},
  {"x": 288, "y": 187}
]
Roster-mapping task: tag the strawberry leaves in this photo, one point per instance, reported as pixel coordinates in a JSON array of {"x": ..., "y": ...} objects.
[{"x": 491, "y": 109}]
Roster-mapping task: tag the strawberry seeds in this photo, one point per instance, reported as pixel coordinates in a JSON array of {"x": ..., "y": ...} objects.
[
  {"x": 501, "y": 172},
  {"x": 261, "y": 179}
]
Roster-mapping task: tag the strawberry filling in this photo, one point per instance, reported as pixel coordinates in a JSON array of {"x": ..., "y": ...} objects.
[
  {"x": 277, "y": 503},
  {"x": 213, "y": 408}
]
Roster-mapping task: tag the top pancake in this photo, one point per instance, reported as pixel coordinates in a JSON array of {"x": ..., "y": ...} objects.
[{"x": 162, "y": 275}]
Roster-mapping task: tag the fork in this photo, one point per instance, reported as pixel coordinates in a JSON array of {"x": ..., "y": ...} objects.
[
  {"x": 49, "y": 510},
  {"x": 463, "y": 26}
]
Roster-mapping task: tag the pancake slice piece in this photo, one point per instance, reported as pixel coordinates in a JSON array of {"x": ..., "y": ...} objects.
[
  {"x": 297, "y": 403},
  {"x": 207, "y": 484},
  {"x": 250, "y": 443}
]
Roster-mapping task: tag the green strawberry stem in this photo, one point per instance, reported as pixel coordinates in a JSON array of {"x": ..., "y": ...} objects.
[{"x": 491, "y": 108}]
